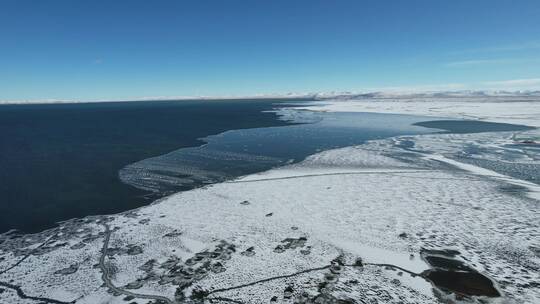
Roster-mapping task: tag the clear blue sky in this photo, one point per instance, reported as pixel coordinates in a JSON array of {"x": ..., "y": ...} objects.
[{"x": 95, "y": 49}]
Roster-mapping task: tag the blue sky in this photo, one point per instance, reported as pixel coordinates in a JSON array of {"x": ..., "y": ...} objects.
[{"x": 128, "y": 49}]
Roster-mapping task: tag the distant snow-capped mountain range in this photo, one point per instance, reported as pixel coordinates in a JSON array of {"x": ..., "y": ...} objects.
[
  {"x": 314, "y": 96},
  {"x": 439, "y": 94}
]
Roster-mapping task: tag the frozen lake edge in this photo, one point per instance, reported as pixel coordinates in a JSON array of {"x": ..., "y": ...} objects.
[{"x": 381, "y": 202}]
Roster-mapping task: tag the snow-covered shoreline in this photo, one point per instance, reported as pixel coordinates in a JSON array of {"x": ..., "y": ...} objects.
[{"x": 284, "y": 233}]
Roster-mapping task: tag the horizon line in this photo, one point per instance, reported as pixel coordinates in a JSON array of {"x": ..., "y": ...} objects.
[{"x": 295, "y": 96}]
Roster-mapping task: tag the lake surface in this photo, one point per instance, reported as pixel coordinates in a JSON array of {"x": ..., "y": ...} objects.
[
  {"x": 72, "y": 160},
  {"x": 471, "y": 126},
  {"x": 62, "y": 161}
]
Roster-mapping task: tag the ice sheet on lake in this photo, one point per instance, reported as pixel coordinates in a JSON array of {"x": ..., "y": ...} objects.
[
  {"x": 241, "y": 152},
  {"x": 188, "y": 166}
]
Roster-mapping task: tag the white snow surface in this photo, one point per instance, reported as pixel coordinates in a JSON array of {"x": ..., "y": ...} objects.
[{"x": 516, "y": 110}]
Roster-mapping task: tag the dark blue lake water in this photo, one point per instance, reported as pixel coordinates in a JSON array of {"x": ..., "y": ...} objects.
[{"x": 62, "y": 161}]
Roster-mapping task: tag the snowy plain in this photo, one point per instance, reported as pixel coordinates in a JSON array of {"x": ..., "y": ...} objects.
[
  {"x": 344, "y": 226},
  {"x": 513, "y": 109}
]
